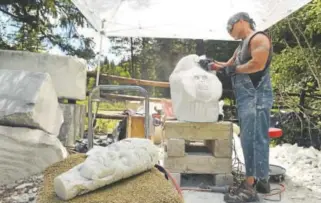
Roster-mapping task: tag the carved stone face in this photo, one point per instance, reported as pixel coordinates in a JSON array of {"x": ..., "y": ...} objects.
[
  {"x": 195, "y": 92},
  {"x": 201, "y": 82},
  {"x": 202, "y": 89},
  {"x": 198, "y": 84}
]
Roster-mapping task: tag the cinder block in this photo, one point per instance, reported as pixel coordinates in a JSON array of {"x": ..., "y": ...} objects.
[
  {"x": 220, "y": 148},
  {"x": 223, "y": 148},
  {"x": 175, "y": 147},
  {"x": 198, "y": 164},
  {"x": 223, "y": 179},
  {"x": 198, "y": 131}
]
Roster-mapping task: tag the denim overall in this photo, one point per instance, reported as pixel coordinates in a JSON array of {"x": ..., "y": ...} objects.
[{"x": 253, "y": 108}]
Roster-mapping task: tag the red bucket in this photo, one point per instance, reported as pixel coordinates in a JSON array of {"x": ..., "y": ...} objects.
[
  {"x": 168, "y": 108},
  {"x": 275, "y": 132}
]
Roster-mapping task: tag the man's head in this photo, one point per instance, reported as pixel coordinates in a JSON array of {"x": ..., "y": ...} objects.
[{"x": 239, "y": 25}]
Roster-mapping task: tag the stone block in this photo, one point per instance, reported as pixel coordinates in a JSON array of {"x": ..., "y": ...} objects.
[
  {"x": 29, "y": 99},
  {"x": 68, "y": 73},
  {"x": 198, "y": 164},
  {"x": 25, "y": 152},
  {"x": 175, "y": 147},
  {"x": 74, "y": 123},
  {"x": 223, "y": 179},
  {"x": 220, "y": 148},
  {"x": 198, "y": 131}
]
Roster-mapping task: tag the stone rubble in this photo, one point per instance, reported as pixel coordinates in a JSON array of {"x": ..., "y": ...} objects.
[
  {"x": 103, "y": 141},
  {"x": 21, "y": 191}
]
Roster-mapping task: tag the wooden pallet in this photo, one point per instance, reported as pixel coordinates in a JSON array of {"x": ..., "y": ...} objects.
[{"x": 199, "y": 148}]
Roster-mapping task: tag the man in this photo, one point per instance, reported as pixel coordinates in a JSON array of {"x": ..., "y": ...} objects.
[{"x": 249, "y": 71}]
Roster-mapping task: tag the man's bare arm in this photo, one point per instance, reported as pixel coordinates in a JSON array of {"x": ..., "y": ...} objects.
[
  {"x": 229, "y": 62},
  {"x": 260, "y": 49}
]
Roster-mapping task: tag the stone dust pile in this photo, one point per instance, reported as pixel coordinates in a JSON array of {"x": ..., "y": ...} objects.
[{"x": 149, "y": 187}]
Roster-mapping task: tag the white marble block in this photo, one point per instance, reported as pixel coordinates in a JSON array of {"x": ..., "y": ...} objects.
[
  {"x": 28, "y": 99},
  {"x": 74, "y": 123},
  {"x": 195, "y": 93},
  {"x": 68, "y": 73},
  {"x": 25, "y": 152},
  {"x": 106, "y": 165}
]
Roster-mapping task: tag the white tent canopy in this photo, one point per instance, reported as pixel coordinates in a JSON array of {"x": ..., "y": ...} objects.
[{"x": 190, "y": 19}]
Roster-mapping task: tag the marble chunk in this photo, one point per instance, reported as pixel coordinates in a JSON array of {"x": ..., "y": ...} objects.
[
  {"x": 28, "y": 99},
  {"x": 73, "y": 125},
  {"x": 106, "y": 165},
  {"x": 25, "y": 152},
  {"x": 68, "y": 73},
  {"x": 195, "y": 93}
]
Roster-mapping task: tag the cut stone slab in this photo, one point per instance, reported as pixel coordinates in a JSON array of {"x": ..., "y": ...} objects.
[
  {"x": 68, "y": 73},
  {"x": 74, "y": 123},
  {"x": 28, "y": 99},
  {"x": 25, "y": 152}
]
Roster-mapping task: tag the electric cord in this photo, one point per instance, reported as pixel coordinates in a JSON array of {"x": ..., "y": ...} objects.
[{"x": 238, "y": 176}]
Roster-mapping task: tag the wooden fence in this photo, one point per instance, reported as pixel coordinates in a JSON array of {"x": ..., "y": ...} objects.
[{"x": 106, "y": 79}]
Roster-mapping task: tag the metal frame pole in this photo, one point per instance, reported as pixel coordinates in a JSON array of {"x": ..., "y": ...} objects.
[
  {"x": 115, "y": 88},
  {"x": 102, "y": 33}
]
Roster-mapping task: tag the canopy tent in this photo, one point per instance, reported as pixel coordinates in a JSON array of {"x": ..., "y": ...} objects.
[{"x": 190, "y": 19}]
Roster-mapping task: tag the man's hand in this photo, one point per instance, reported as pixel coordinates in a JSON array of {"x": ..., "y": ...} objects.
[
  {"x": 205, "y": 64},
  {"x": 217, "y": 66}
]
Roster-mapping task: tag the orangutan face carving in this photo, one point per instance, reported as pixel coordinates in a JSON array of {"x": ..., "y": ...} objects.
[{"x": 194, "y": 91}]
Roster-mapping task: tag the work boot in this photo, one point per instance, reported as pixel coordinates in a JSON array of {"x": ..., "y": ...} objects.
[
  {"x": 245, "y": 193},
  {"x": 262, "y": 186}
]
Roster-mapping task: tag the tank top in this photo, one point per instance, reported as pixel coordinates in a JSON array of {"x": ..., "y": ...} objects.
[{"x": 244, "y": 55}]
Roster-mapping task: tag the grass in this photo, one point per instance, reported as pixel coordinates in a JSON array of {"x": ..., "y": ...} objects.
[{"x": 104, "y": 126}]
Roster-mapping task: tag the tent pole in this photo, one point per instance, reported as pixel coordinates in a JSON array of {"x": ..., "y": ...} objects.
[{"x": 102, "y": 33}]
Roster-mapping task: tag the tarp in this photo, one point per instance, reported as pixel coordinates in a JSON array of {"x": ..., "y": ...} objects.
[{"x": 191, "y": 19}]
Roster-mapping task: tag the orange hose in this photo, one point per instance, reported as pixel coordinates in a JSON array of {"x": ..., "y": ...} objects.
[{"x": 177, "y": 187}]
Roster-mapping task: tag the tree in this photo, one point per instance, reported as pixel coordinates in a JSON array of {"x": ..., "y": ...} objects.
[
  {"x": 36, "y": 25},
  {"x": 296, "y": 69}
]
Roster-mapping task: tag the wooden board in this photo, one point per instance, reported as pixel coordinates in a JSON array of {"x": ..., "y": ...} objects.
[
  {"x": 198, "y": 164},
  {"x": 198, "y": 131},
  {"x": 135, "y": 126},
  {"x": 131, "y": 81}
]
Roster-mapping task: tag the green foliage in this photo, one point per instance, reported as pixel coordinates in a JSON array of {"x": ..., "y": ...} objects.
[
  {"x": 296, "y": 66},
  {"x": 38, "y": 25}
]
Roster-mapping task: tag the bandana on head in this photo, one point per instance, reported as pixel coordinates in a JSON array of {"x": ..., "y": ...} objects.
[{"x": 236, "y": 18}]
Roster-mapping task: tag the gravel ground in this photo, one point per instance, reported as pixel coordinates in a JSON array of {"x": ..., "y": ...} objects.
[
  {"x": 22, "y": 191},
  {"x": 26, "y": 190}
]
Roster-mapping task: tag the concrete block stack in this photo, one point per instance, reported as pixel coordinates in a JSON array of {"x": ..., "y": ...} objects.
[
  {"x": 34, "y": 127},
  {"x": 199, "y": 148}
]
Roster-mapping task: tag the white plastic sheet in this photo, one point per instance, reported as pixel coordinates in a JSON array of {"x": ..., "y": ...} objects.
[{"x": 191, "y": 19}]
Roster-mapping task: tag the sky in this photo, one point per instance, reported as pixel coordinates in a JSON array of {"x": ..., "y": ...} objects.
[
  {"x": 6, "y": 28},
  {"x": 88, "y": 32}
]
